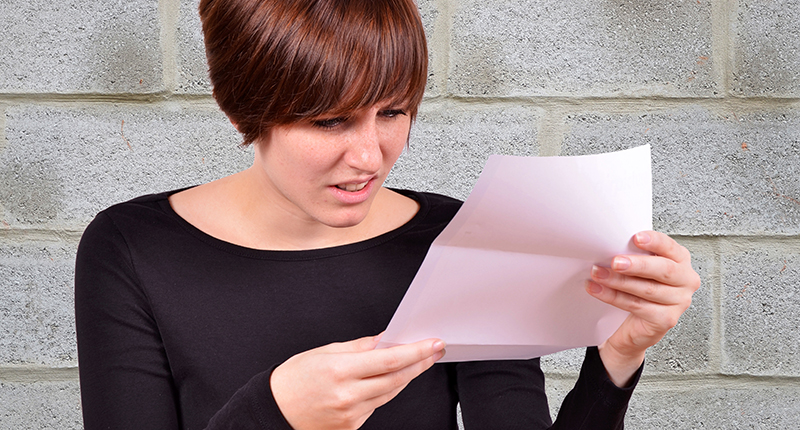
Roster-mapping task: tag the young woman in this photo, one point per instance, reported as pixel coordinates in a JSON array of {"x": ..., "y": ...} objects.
[{"x": 256, "y": 301}]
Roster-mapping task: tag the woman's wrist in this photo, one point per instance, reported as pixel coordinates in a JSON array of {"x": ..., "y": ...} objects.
[{"x": 620, "y": 367}]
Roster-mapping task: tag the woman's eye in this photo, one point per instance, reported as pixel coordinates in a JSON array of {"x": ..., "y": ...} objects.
[
  {"x": 328, "y": 123},
  {"x": 391, "y": 113}
]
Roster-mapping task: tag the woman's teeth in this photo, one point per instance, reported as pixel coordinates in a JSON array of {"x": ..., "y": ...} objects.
[{"x": 352, "y": 187}]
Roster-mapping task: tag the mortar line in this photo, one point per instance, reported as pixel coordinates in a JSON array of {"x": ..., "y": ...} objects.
[
  {"x": 687, "y": 381},
  {"x": 31, "y": 374},
  {"x": 550, "y": 132},
  {"x": 768, "y": 103},
  {"x": 205, "y": 102},
  {"x": 168, "y": 12},
  {"x": 440, "y": 39},
  {"x": 40, "y": 235},
  {"x": 626, "y": 106},
  {"x": 3, "y": 138},
  {"x": 574, "y": 99},
  {"x": 95, "y": 98},
  {"x": 722, "y": 381},
  {"x": 721, "y": 47},
  {"x": 749, "y": 242},
  {"x": 715, "y": 349}
]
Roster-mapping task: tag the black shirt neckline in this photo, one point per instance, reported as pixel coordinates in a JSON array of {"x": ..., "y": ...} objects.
[{"x": 298, "y": 255}]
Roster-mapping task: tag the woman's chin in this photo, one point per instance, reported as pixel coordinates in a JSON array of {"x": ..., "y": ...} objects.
[{"x": 348, "y": 220}]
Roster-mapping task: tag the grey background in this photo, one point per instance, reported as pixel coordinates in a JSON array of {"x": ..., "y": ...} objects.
[{"x": 104, "y": 100}]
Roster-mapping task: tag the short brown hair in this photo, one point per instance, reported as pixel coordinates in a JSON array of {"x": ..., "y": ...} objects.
[{"x": 275, "y": 62}]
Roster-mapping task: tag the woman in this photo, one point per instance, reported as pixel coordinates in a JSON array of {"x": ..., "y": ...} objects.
[{"x": 255, "y": 301}]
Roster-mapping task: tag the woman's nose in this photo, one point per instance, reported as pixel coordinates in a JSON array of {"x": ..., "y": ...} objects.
[{"x": 364, "y": 152}]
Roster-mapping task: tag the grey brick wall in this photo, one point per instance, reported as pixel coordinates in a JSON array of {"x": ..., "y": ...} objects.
[{"x": 101, "y": 101}]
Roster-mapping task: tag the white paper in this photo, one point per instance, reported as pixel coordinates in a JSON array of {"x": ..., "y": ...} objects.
[{"x": 505, "y": 279}]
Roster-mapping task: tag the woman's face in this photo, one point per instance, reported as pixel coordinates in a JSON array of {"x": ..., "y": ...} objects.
[{"x": 329, "y": 170}]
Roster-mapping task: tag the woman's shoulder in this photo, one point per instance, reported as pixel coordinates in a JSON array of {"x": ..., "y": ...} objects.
[
  {"x": 439, "y": 201},
  {"x": 136, "y": 208},
  {"x": 132, "y": 217},
  {"x": 434, "y": 208}
]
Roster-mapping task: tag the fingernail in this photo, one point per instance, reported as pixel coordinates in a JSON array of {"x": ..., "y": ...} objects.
[
  {"x": 438, "y": 356},
  {"x": 642, "y": 238},
  {"x": 621, "y": 263},
  {"x": 599, "y": 272},
  {"x": 593, "y": 288},
  {"x": 438, "y": 345}
]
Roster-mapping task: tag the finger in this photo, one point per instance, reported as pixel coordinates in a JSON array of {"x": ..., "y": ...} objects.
[
  {"x": 643, "y": 288},
  {"x": 661, "y": 244},
  {"x": 382, "y": 388},
  {"x": 382, "y": 361},
  {"x": 661, "y": 317},
  {"x": 363, "y": 394},
  {"x": 658, "y": 269}
]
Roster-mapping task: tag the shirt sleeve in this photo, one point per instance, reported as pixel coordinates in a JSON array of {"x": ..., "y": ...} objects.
[
  {"x": 252, "y": 407},
  {"x": 124, "y": 372},
  {"x": 510, "y": 395},
  {"x": 125, "y": 376}
]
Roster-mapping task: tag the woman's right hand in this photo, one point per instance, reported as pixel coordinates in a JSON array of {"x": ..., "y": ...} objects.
[{"x": 338, "y": 386}]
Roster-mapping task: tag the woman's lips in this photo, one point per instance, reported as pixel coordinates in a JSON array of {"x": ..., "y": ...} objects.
[
  {"x": 353, "y": 193},
  {"x": 352, "y": 187}
]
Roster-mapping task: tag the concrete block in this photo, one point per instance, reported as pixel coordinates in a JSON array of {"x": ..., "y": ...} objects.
[
  {"x": 40, "y": 405},
  {"x": 557, "y": 389},
  {"x": 658, "y": 405},
  {"x": 63, "y": 165},
  {"x": 450, "y": 144},
  {"x": 563, "y": 363},
  {"x": 713, "y": 172},
  {"x": 767, "y": 49},
  {"x": 761, "y": 310},
  {"x": 37, "y": 311},
  {"x": 192, "y": 65},
  {"x": 80, "y": 46},
  {"x": 543, "y": 48}
]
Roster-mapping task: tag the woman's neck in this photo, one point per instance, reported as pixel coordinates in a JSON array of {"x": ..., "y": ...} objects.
[{"x": 236, "y": 209}]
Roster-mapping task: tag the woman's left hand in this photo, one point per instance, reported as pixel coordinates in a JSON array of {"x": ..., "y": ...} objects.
[{"x": 655, "y": 289}]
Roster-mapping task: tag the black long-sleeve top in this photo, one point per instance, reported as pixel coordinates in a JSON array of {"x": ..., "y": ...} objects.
[{"x": 179, "y": 330}]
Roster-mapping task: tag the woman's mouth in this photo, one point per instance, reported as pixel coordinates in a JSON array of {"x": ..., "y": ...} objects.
[
  {"x": 352, "y": 187},
  {"x": 353, "y": 193}
]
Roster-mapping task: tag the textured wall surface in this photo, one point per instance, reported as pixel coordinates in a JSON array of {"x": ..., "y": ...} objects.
[{"x": 101, "y": 101}]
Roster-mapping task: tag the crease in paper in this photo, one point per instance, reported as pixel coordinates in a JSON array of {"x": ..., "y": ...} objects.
[{"x": 505, "y": 279}]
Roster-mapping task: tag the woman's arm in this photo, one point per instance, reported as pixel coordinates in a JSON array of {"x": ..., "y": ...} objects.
[
  {"x": 125, "y": 376},
  {"x": 510, "y": 394}
]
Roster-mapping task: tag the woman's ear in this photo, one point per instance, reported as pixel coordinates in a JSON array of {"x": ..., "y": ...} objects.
[{"x": 235, "y": 124}]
